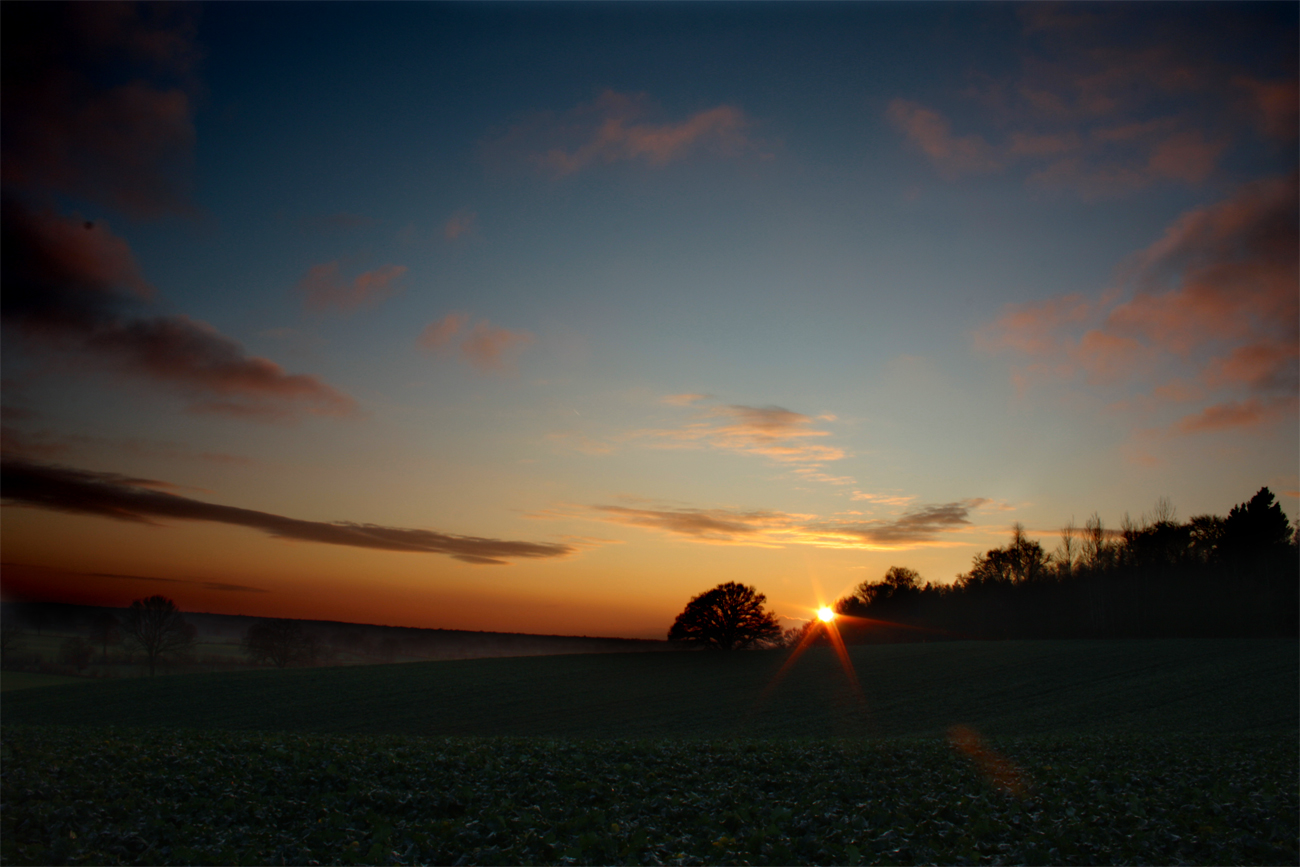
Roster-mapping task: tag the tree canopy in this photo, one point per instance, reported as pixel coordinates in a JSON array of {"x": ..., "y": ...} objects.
[{"x": 728, "y": 617}]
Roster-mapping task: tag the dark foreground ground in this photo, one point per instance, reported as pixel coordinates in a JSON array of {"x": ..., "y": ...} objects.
[{"x": 1038, "y": 753}]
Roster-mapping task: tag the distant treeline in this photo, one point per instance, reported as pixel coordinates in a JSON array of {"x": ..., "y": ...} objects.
[{"x": 1209, "y": 577}]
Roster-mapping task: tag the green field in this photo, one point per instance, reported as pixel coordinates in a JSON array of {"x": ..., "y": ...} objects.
[
  {"x": 1001, "y": 688},
  {"x": 1075, "y": 753},
  {"x": 11, "y": 680}
]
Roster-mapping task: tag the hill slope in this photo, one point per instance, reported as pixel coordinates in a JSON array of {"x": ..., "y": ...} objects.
[{"x": 1000, "y": 688}]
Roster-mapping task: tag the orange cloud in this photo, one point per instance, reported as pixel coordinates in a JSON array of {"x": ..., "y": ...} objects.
[
  {"x": 614, "y": 128},
  {"x": 323, "y": 288}
]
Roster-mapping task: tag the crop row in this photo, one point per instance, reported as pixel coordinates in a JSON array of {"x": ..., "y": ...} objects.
[{"x": 107, "y": 796}]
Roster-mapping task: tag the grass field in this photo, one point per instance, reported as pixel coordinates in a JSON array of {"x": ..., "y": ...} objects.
[
  {"x": 1000, "y": 688},
  {"x": 11, "y": 680},
  {"x": 1177, "y": 752}
]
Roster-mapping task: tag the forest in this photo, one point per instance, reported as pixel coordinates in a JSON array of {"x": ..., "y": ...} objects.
[{"x": 1155, "y": 577}]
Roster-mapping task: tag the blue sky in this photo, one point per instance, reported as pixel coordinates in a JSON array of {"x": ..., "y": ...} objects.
[{"x": 780, "y": 293}]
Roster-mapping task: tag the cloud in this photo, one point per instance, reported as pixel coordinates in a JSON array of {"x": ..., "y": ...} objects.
[
  {"x": 323, "y": 288},
  {"x": 493, "y": 349},
  {"x": 460, "y": 224},
  {"x": 614, "y": 128},
  {"x": 921, "y": 526},
  {"x": 1210, "y": 307},
  {"x": 206, "y": 585},
  {"x": 342, "y": 221},
  {"x": 438, "y": 335},
  {"x": 1108, "y": 102},
  {"x": 485, "y": 346},
  {"x": 73, "y": 285},
  {"x": 932, "y": 133},
  {"x": 771, "y": 432},
  {"x": 97, "y": 103},
  {"x": 1250, "y": 414},
  {"x": 123, "y": 498},
  {"x": 1276, "y": 106},
  {"x": 683, "y": 399},
  {"x": 48, "y": 445}
]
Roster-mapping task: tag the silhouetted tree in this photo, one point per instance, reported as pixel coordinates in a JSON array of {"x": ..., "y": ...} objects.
[
  {"x": 281, "y": 642},
  {"x": 157, "y": 626},
  {"x": 105, "y": 629},
  {"x": 728, "y": 617},
  {"x": 11, "y": 642},
  {"x": 76, "y": 652}
]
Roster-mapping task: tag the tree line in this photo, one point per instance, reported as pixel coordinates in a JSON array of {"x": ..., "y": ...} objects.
[{"x": 1157, "y": 577}]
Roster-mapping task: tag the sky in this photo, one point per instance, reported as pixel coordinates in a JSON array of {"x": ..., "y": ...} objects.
[{"x": 548, "y": 317}]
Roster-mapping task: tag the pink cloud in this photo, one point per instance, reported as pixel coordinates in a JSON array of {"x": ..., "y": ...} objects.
[
  {"x": 1110, "y": 358},
  {"x": 460, "y": 224},
  {"x": 324, "y": 288},
  {"x": 771, "y": 432},
  {"x": 1034, "y": 327},
  {"x": 932, "y": 133},
  {"x": 1100, "y": 116},
  {"x": 1250, "y": 414},
  {"x": 438, "y": 335},
  {"x": 486, "y": 347},
  {"x": 494, "y": 349},
  {"x": 614, "y": 128},
  {"x": 1213, "y": 299}
]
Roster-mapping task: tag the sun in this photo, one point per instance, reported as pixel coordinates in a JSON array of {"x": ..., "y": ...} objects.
[{"x": 826, "y": 614}]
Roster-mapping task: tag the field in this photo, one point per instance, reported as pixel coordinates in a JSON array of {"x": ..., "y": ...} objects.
[{"x": 1017, "y": 752}]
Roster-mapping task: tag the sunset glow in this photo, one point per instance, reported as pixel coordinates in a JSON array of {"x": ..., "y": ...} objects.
[{"x": 547, "y": 317}]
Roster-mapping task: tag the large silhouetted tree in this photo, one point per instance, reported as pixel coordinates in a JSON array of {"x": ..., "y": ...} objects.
[
  {"x": 157, "y": 626},
  {"x": 728, "y": 617}
]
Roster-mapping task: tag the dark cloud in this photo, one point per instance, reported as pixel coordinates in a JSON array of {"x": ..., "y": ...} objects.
[
  {"x": 921, "y": 524},
  {"x": 110, "y": 495},
  {"x": 206, "y": 585},
  {"x": 918, "y": 526},
  {"x": 73, "y": 284},
  {"x": 98, "y": 102}
]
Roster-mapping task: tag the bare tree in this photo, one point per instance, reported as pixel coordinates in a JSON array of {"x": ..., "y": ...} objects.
[
  {"x": 157, "y": 626},
  {"x": 11, "y": 642},
  {"x": 1068, "y": 549},
  {"x": 281, "y": 642},
  {"x": 105, "y": 629},
  {"x": 76, "y": 652},
  {"x": 728, "y": 617}
]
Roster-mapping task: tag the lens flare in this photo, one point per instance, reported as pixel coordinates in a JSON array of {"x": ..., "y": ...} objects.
[{"x": 826, "y": 614}]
